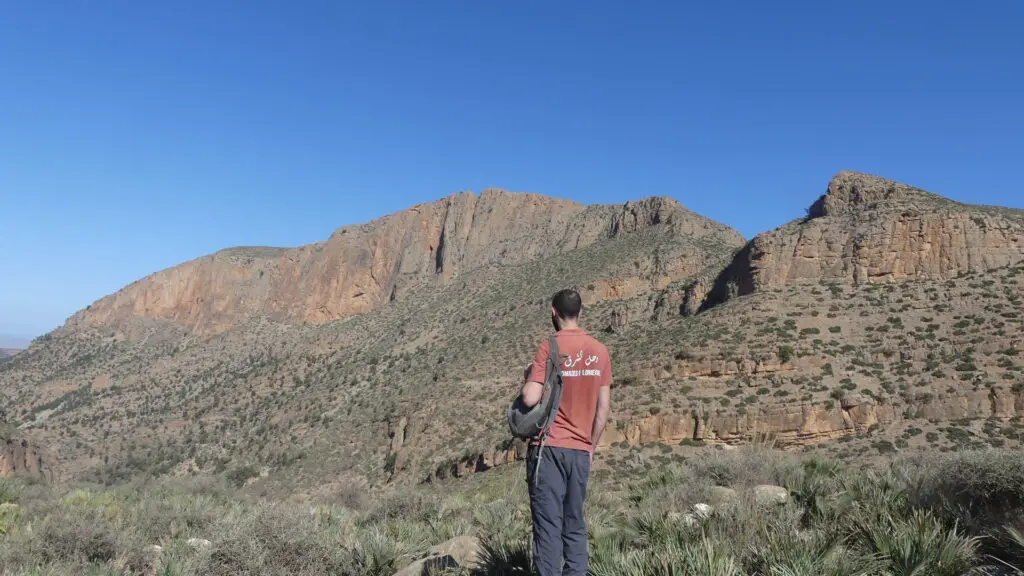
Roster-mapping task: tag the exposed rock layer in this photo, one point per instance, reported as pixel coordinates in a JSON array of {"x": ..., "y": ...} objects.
[
  {"x": 793, "y": 425},
  {"x": 18, "y": 457},
  {"x": 360, "y": 268},
  {"x": 868, "y": 229}
]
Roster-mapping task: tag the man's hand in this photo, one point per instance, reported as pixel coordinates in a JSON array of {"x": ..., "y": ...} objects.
[{"x": 601, "y": 416}]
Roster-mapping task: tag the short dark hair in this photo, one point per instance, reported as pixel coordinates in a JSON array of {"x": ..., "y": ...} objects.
[{"x": 567, "y": 304}]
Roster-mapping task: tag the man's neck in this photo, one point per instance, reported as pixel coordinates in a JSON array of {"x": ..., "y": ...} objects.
[{"x": 569, "y": 325}]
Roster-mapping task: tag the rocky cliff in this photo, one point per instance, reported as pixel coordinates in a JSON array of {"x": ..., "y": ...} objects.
[
  {"x": 361, "y": 268},
  {"x": 786, "y": 426},
  {"x": 868, "y": 229},
  {"x": 19, "y": 457},
  {"x": 455, "y": 295}
]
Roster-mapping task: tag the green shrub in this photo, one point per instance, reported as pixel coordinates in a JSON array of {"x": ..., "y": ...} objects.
[{"x": 786, "y": 353}]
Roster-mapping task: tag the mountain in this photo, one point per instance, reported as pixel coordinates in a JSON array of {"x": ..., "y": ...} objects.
[
  {"x": 887, "y": 318},
  {"x": 362, "y": 268},
  {"x": 868, "y": 229},
  {"x": 309, "y": 357}
]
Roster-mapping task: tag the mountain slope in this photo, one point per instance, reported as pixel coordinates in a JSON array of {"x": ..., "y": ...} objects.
[
  {"x": 361, "y": 268},
  {"x": 868, "y": 229},
  {"x": 415, "y": 388},
  {"x": 238, "y": 382}
]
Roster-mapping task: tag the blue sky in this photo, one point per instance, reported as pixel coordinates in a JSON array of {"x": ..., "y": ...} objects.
[{"x": 137, "y": 135}]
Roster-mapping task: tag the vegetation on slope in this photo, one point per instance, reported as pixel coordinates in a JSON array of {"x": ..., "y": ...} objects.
[{"x": 947, "y": 515}]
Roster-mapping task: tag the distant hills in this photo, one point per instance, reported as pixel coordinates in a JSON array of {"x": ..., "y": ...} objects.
[
  {"x": 13, "y": 342},
  {"x": 6, "y": 353},
  {"x": 11, "y": 345}
]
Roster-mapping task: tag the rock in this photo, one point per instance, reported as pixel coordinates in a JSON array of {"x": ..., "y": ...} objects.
[
  {"x": 695, "y": 295},
  {"x": 22, "y": 457},
  {"x": 766, "y": 494},
  {"x": 868, "y": 229},
  {"x": 459, "y": 552},
  {"x": 153, "y": 555},
  {"x": 464, "y": 549},
  {"x": 199, "y": 544},
  {"x": 719, "y": 495},
  {"x": 702, "y": 511},
  {"x": 364, "y": 267},
  {"x": 690, "y": 520}
]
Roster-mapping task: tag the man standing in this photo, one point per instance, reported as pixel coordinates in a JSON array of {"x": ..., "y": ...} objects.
[{"x": 559, "y": 485}]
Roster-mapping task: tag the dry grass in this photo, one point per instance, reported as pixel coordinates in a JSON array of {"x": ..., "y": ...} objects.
[{"x": 905, "y": 518}]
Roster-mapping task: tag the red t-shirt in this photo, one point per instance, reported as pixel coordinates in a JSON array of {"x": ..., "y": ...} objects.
[{"x": 586, "y": 367}]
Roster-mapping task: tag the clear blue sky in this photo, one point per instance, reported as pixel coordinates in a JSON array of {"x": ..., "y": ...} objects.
[{"x": 137, "y": 135}]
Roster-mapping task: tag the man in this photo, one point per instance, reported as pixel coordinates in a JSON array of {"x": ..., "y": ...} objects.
[{"x": 558, "y": 487}]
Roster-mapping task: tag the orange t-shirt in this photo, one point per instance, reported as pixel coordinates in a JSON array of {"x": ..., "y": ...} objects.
[{"x": 586, "y": 367}]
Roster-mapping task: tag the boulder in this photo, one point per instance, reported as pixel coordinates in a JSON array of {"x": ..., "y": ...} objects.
[
  {"x": 767, "y": 494},
  {"x": 719, "y": 495},
  {"x": 152, "y": 555},
  {"x": 459, "y": 552},
  {"x": 702, "y": 511}
]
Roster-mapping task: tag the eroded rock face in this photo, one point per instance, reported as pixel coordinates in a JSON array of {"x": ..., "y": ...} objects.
[
  {"x": 19, "y": 457},
  {"x": 868, "y": 229},
  {"x": 361, "y": 268},
  {"x": 787, "y": 425}
]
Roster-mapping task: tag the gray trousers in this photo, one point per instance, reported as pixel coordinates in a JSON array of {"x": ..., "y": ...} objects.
[{"x": 556, "y": 505}]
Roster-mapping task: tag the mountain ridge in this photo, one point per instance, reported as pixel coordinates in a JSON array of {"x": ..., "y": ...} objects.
[
  {"x": 868, "y": 229},
  {"x": 364, "y": 266},
  {"x": 826, "y": 354}
]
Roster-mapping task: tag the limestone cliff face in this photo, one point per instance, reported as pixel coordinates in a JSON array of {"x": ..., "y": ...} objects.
[
  {"x": 802, "y": 424},
  {"x": 868, "y": 229},
  {"x": 18, "y": 457},
  {"x": 361, "y": 268},
  {"x": 792, "y": 425}
]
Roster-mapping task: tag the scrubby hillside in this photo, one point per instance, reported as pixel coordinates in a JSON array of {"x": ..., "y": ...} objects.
[
  {"x": 299, "y": 406},
  {"x": 887, "y": 320},
  {"x": 747, "y": 512}
]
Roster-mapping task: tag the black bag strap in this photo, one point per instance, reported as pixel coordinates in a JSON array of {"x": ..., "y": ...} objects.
[{"x": 553, "y": 377}]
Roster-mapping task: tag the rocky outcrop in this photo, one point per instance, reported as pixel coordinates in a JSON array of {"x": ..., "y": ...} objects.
[
  {"x": 720, "y": 368},
  {"x": 801, "y": 424},
  {"x": 868, "y": 229},
  {"x": 786, "y": 425},
  {"x": 19, "y": 457},
  {"x": 361, "y": 268}
]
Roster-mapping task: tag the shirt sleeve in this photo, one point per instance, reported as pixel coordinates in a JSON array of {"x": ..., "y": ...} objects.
[{"x": 538, "y": 370}]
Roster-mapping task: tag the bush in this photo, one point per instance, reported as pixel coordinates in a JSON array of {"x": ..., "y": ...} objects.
[
  {"x": 923, "y": 515},
  {"x": 748, "y": 466},
  {"x": 238, "y": 476},
  {"x": 786, "y": 353}
]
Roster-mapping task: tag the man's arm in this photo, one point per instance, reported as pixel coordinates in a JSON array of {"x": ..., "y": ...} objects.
[
  {"x": 604, "y": 403},
  {"x": 533, "y": 391}
]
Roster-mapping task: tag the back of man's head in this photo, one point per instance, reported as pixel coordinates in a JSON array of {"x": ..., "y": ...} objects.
[{"x": 567, "y": 304}]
